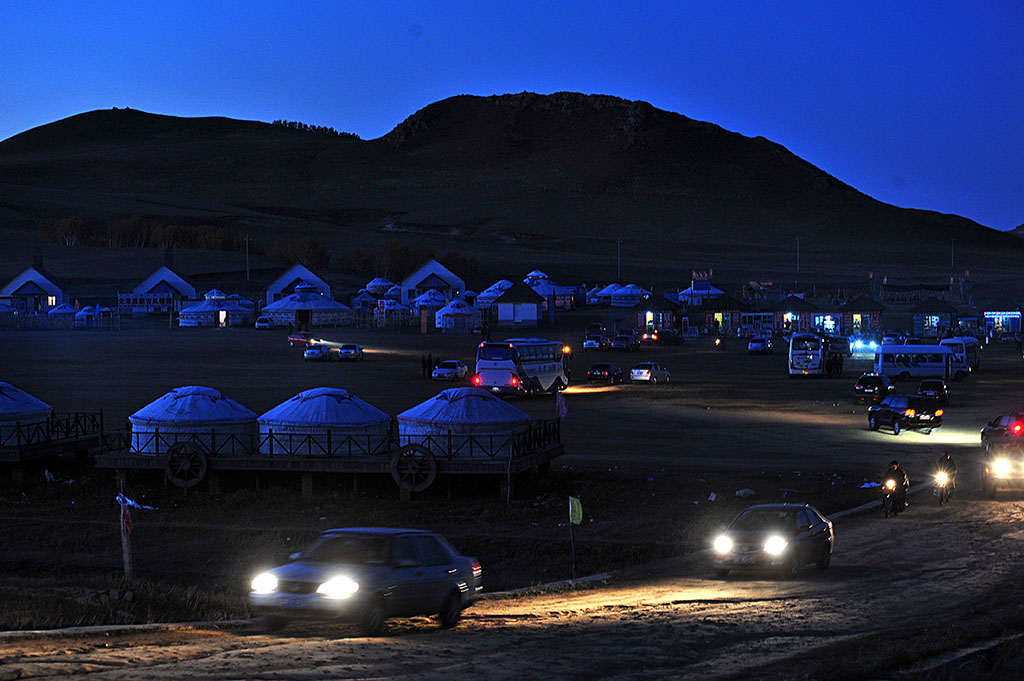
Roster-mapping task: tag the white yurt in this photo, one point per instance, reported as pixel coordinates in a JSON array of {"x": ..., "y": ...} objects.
[
  {"x": 533, "y": 277},
  {"x": 324, "y": 422},
  {"x": 604, "y": 296},
  {"x": 470, "y": 421},
  {"x": 22, "y": 417},
  {"x": 432, "y": 300},
  {"x": 394, "y": 293},
  {"x": 362, "y": 301},
  {"x": 391, "y": 313},
  {"x": 458, "y": 316},
  {"x": 306, "y": 308},
  {"x": 193, "y": 413},
  {"x": 379, "y": 286},
  {"x": 628, "y": 296},
  {"x": 215, "y": 310},
  {"x": 85, "y": 316},
  {"x": 62, "y": 311},
  {"x": 492, "y": 293},
  {"x": 592, "y": 294}
]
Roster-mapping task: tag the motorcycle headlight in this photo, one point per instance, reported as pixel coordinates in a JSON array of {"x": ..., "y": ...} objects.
[
  {"x": 723, "y": 544},
  {"x": 264, "y": 583},
  {"x": 942, "y": 477},
  {"x": 890, "y": 485},
  {"x": 775, "y": 545},
  {"x": 338, "y": 587},
  {"x": 1001, "y": 467}
]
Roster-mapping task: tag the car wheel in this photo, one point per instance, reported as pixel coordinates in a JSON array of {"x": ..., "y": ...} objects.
[
  {"x": 269, "y": 624},
  {"x": 372, "y": 623},
  {"x": 896, "y": 428},
  {"x": 988, "y": 488},
  {"x": 872, "y": 423},
  {"x": 791, "y": 568},
  {"x": 451, "y": 611},
  {"x": 826, "y": 560},
  {"x": 654, "y": 380}
]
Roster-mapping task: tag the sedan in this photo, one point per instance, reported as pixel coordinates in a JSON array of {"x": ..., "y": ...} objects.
[
  {"x": 450, "y": 370},
  {"x": 649, "y": 372},
  {"x": 596, "y": 342},
  {"x": 934, "y": 387},
  {"x": 302, "y": 338},
  {"x": 775, "y": 537},
  {"x": 366, "y": 575},
  {"x": 264, "y": 323},
  {"x": 905, "y": 412},
  {"x": 350, "y": 351},
  {"x": 1006, "y": 431},
  {"x": 604, "y": 373},
  {"x": 759, "y": 346},
  {"x": 318, "y": 353},
  {"x": 625, "y": 341}
]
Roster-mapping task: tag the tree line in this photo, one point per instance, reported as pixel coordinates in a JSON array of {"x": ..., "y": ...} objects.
[{"x": 321, "y": 129}]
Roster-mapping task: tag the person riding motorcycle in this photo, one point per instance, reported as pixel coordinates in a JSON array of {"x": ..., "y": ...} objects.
[
  {"x": 946, "y": 465},
  {"x": 896, "y": 472}
]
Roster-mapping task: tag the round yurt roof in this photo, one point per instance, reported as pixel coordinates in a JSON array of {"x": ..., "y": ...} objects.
[
  {"x": 536, "y": 274},
  {"x": 193, "y": 403},
  {"x": 63, "y": 308},
  {"x": 214, "y": 305},
  {"x": 18, "y": 405},
  {"x": 380, "y": 282},
  {"x": 464, "y": 406},
  {"x": 431, "y": 297},
  {"x": 394, "y": 292},
  {"x": 497, "y": 288},
  {"x": 86, "y": 312},
  {"x": 305, "y": 300},
  {"x": 609, "y": 289},
  {"x": 215, "y": 294},
  {"x": 629, "y": 290},
  {"x": 324, "y": 406},
  {"x": 458, "y": 307},
  {"x": 470, "y": 294}
]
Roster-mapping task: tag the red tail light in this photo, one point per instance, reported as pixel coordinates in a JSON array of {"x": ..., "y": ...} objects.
[
  {"x": 1016, "y": 429},
  {"x": 938, "y": 412},
  {"x": 909, "y": 412},
  {"x": 514, "y": 381},
  {"x": 477, "y": 570},
  {"x": 606, "y": 373},
  {"x": 476, "y": 380}
]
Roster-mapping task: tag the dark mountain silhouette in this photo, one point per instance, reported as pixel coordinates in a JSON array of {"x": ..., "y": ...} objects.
[{"x": 516, "y": 178}]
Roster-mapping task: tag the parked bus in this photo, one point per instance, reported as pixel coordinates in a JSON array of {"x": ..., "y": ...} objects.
[
  {"x": 522, "y": 366},
  {"x": 904, "y": 362},
  {"x": 966, "y": 348}
]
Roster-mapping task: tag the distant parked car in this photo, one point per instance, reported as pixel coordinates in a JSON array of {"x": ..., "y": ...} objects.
[
  {"x": 596, "y": 342},
  {"x": 302, "y": 338},
  {"x": 317, "y": 353},
  {"x": 366, "y": 576},
  {"x": 873, "y": 387},
  {"x": 775, "y": 537},
  {"x": 649, "y": 372},
  {"x": 650, "y": 336},
  {"x": 934, "y": 387},
  {"x": 350, "y": 351},
  {"x": 264, "y": 323},
  {"x": 905, "y": 412},
  {"x": 604, "y": 372},
  {"x": 451, "y": 370},
  {"x": 624, "y": 342},
  {"x": 759, "y": 346}
]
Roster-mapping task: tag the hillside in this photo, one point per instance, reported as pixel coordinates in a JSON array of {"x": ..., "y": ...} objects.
[{"x": 515, "y": 179}]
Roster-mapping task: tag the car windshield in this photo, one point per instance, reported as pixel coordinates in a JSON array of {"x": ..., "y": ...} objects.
[
  {"x": 765, "y": 520},
  {"x": 931, "y": 385},
  {"x": 600, "y": 367},
  {"x": 870, "y": 380},
  {"x": 643, "y": 367},
  {"x": 348, "y": 548},
  {"x": 449, "y": 365},
  {"x": 348, "y": 346}
]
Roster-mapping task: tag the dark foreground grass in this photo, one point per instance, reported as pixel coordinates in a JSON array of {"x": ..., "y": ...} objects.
[{"x": 193, "y": 558}]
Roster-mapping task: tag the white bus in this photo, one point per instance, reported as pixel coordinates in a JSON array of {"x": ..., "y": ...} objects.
[
  {"x": 522, "y": 366},
  {"x": 966, "y": 348},
  {"x": 808, "y": 352},
  {"x": 903, "y": 362}
]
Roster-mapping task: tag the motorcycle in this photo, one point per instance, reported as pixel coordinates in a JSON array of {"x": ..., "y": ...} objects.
[
  {"x": 719, "y": 343},
  {"x": 892, "y": 503},
  {"x": 942, "y": 488}
]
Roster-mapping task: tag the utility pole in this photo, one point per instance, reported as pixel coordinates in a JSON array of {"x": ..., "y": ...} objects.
[
  {"x": 247, "y": 257},
  {"x": 618, "y": 258}
]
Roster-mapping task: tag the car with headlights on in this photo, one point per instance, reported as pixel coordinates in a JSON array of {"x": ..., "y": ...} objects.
[
  {"x": 365, "y": 576},
  {"x": 450, "y": 370},
  {"x": 873, "y": 387},
  {"x": 596, "y": 342},
  {"x": 1004, "y": 469},
  {"x": 1006, "y": 431},
  {"x": 604, "y": 372},
  {"x": 906, "y": 412},
  {"x": 317, "y": 352},
  {"x": 302, "y": 338},
  {"x": 777, "y": 538},
  {"x": 649, "y": 372},
  {"x": 350, "y": 351}
]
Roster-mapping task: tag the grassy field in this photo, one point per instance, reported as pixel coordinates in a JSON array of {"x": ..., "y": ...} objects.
[{"x": 644, "y": 460}]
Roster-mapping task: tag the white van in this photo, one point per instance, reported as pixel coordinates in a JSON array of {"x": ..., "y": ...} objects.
[{"x": 904, "y": 362}]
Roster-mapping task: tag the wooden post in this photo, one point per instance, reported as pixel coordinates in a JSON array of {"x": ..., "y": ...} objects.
[
  {"x": 572, "y": 545},
  {"x": 126, "y": 540}
]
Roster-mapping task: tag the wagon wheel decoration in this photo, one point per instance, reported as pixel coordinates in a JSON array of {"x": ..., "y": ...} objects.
[
  {"x": 413, "y": 468},
  {"x": 186, "y": 464}
]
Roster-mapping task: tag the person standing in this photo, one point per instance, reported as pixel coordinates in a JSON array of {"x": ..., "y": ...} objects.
[{"x": 423, "y": 365}]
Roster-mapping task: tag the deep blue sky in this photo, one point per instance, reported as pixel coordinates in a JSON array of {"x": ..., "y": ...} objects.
[{"x": 917, "y": 103}]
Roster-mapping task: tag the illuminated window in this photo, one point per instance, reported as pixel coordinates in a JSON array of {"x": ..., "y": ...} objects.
[
  {"x": 51, "y": 301},
  {"x": 856, "y": 322}
]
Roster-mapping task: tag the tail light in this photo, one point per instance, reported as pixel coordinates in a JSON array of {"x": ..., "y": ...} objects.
[
  {"x": 606, "y": 373},
  {"x": 938, "y": 412},
  {"x": 476, "y": 380},
  {"x": 514, "y": 381},
  {"x": 477, "y": 570},
  {"x": 909, "y": 412},
  {"x": 1016, "y": 428}
]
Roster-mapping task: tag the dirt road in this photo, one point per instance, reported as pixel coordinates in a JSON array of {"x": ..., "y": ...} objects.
[{"x": 930, "y": 567}]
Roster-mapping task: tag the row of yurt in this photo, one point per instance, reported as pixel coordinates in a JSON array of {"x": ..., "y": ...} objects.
[
  {"x": 22, "y": 417},
  {"x": 379, "y": 286},
  {"x": 306, "y": 308},
  {"x": 458, "y": 316},
  {"x": 490, "y": 294},
  {"x": 461, "y": 422},
  {"x": 217, "y": 310}
]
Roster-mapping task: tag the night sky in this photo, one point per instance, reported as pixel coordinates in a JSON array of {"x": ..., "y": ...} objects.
[{"x": 918, "y": 104}]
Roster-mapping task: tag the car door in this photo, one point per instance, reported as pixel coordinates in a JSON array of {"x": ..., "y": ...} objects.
[
  {"x": 408, "y": 578},
  {"x": 438, "y": 572},
  {"x": 896, "y": 408},
  {"x": 815, "y": 530}
]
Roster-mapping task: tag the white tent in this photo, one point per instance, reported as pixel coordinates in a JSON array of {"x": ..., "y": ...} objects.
[
  {"x": 604, "y": 296},
  {"x": 64, "y": 310},
  {"x": 394, "y": 293},
  {"x": 85, "y": 315},
  {"x": 431, "y": 299},
  {"x": 216, "y": 310},
  {"x": 193, "y": 413},
  {"x": 470, "y": 421},
  {"x": 307, "y": 307},
  {"x": 458, "y": 316},
  {"x": 592, "y": 295},
  {"x": 391, "y": 313},
  {"x": 324, "y": 421},
  {"x": 534, "y": 276},
  {"x": 20, "y": 411},
  {"x": 492, "y": 293},
  {"x": 628, "y": 296},
  {"x": 698, "y": 292}
]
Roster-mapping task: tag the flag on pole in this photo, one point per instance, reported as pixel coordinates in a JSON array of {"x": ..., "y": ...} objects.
[
  {"x": 561, "y": 408},
  {"x": 575, "y": 511}
]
